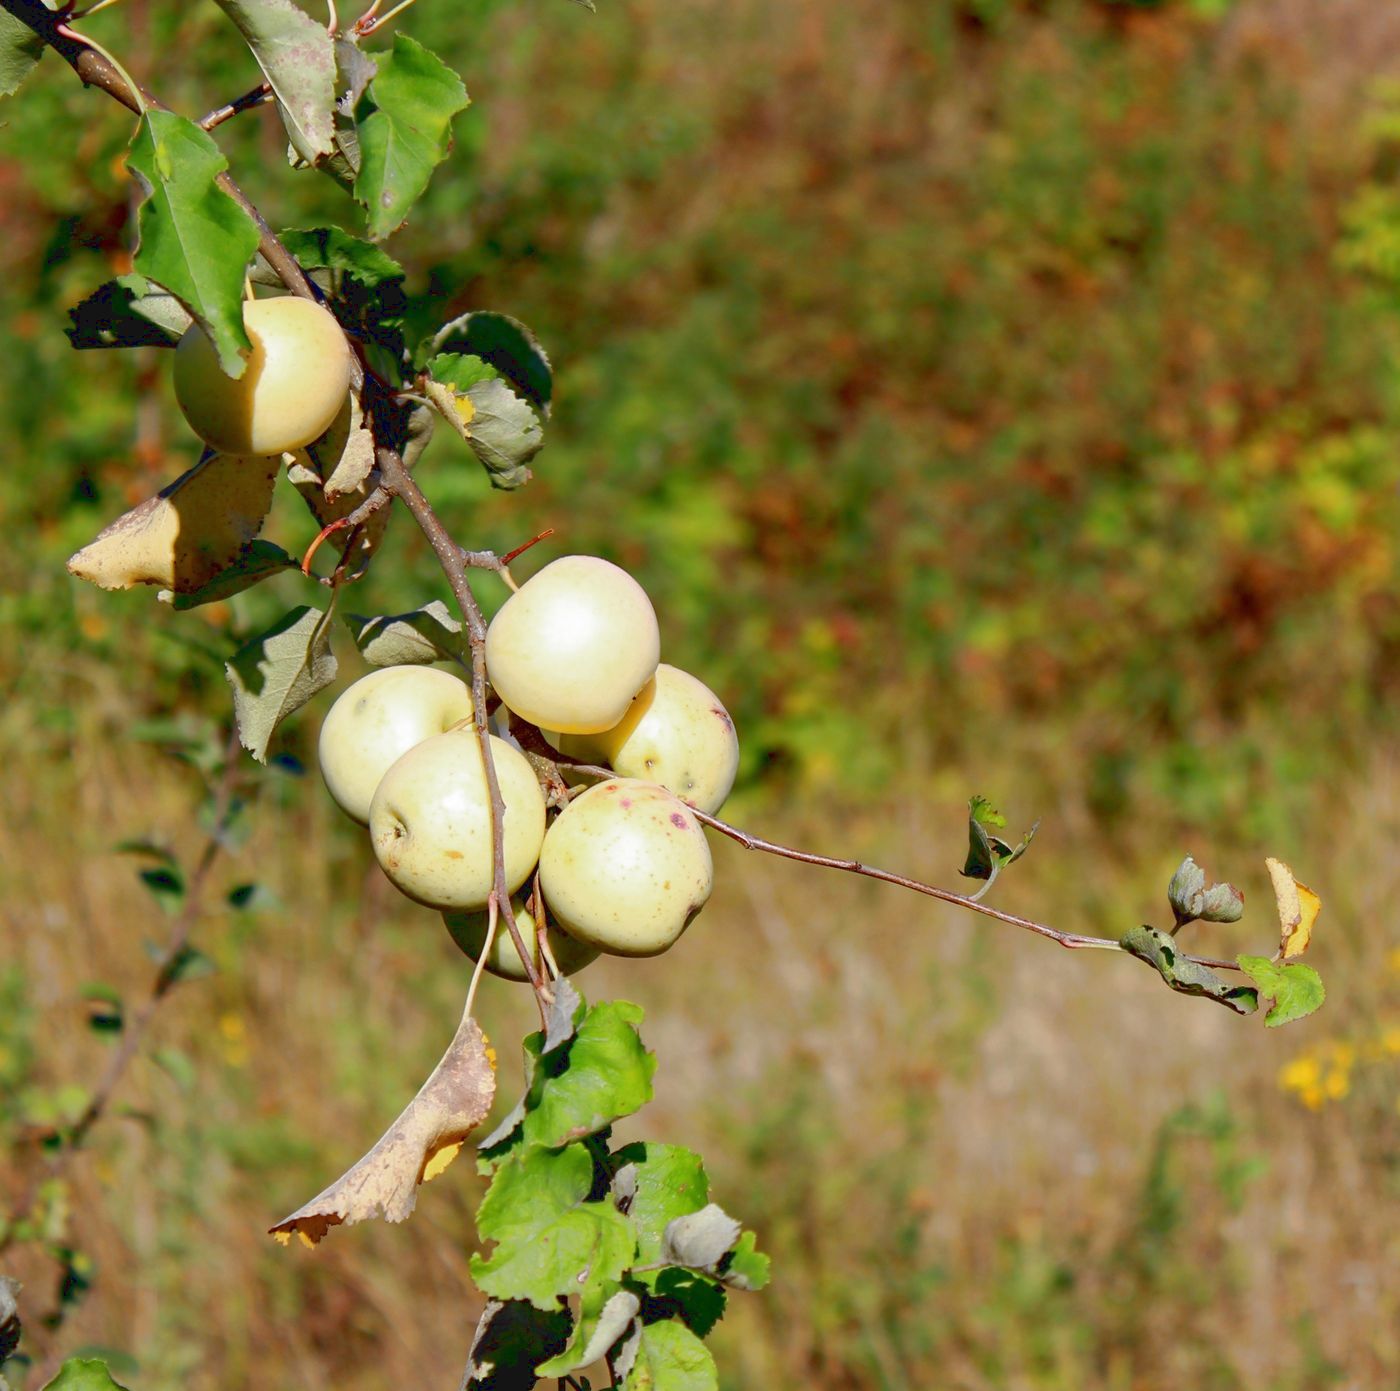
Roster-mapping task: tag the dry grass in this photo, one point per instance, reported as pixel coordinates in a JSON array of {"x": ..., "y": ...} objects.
[{"x": 945, "y": 1132}]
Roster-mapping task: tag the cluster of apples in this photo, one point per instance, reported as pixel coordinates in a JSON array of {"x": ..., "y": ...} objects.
[{"x": 624, "y": 867}]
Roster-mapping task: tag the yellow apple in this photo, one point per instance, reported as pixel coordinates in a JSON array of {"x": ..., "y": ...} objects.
[
  {"x": 430, "y": 820},
  {"x": 676, "y": 733},
  {"x": 573, "y": 645},
  {"x": 292, "y": 387},
  {"x": 377, "y": 720},
  {"x": 469, "y": 932},
  {"x": 625, "y": 867}
]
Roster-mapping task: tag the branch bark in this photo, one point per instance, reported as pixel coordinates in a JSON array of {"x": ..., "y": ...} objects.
[
  {"x": 397, "y": 479},
  {"x": 96, "y": 71},
  {"x": 1073, "y": 941}
]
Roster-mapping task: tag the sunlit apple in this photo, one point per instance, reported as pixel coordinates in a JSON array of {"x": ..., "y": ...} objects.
[
  {"x": 430, "y": 820},
  {"x": 377, "y": 720},
  {"x": 294, "y": 383},
  {"x": 574, "y": 645},
  {"x": 625, "y": 867},
  {"x": 676, "y": 733}
]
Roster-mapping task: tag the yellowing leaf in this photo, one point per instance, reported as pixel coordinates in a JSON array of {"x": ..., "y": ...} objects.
[
  {"x": 1298, "y": 907},
  {"x": 418, "y": 1146},
  {"x": 189, "y": 532}
]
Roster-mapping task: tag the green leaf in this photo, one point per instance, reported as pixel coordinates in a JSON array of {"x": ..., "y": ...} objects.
[
  {"x": 503, "y": 343},
  {"x": 177, "y": 1066},
  {"x": 251, "y": 898},
  {"x": 84, "y": 1374},
  {"x": 697, "y": 1299},
  {"x": 189, "y": 963},
  {"x": 429, "y": 634},
  {"x": 167, "y": 885},
  {"x": 194, "y": 239},
  {"x": 504, "y": 432},
  {"x": 510, "y": 1338},
  {"x": 404, "y": 125},
  {"x": 297, "y": 57},
  {"x": 149, "y": 848},
  {"x": 333, "y": 248},
  {"x": 20, "y": 50},
  {"x": 988, "y": 855},
  {"x": 258, "y": 561},
  {"x": 1295, "y": 988},
  {"x": 747, "y": 1268},
  {"x": 654, "y": 1184},
  {"x": 128, "y": 312},
  {"x": 276, "y": 673},
  {"x": 666, "y": 1357},
  {"x": 105, "y": 1010},
  {"x": 550, "y": 1241},
  {"x": 460, "y": 371},
  {"x": 602, "y": 1074},
  {"x": 604, "y": 1315},
  {"x": 1160, "y": 950}
]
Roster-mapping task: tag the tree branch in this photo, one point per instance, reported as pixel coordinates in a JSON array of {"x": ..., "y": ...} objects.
[
  {"x": 397, "y": 479},
  {"x": 96, "y": 71},
  {"x": 1074, "y": 941},
  {"x": 134, "y": 1033}
]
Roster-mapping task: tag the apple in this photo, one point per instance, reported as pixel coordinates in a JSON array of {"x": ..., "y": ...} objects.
[
  {"x": 377, "y": 720},
  {"x": 676, "y": 733},
  {"x": 469, "y": 932},
  {"x": 573, "y": 645},
  {"x": 430, "y": 820},
  {"x": 625, "y": 867},
  {"x": 292, "y": 387}
]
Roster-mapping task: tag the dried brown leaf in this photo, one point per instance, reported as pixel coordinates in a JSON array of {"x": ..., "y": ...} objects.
[
  {"x": 189, "y": 532},
  {"x": 419, "y": 1145}
]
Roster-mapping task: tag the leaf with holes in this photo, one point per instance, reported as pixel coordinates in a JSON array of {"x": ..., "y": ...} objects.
[{"x": 1185, "y": 976}]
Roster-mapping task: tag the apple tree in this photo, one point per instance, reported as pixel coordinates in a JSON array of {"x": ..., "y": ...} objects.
[{"x": 545, "y": 783}]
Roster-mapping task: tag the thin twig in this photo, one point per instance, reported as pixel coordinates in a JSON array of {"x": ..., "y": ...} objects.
[
  {"x": 368, "y": 24},
  {"x": 254, "y": 97},
  {"x": 397, "y": 479},
  {"x": 134, "y": 1032},
  {"x": 1074, "y": 941}
]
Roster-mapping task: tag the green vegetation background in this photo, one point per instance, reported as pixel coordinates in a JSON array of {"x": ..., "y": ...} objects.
[{"x": 994, "y": 398}]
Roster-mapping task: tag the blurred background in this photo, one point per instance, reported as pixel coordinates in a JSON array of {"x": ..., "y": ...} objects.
[{"x": 995, "y": 397}]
